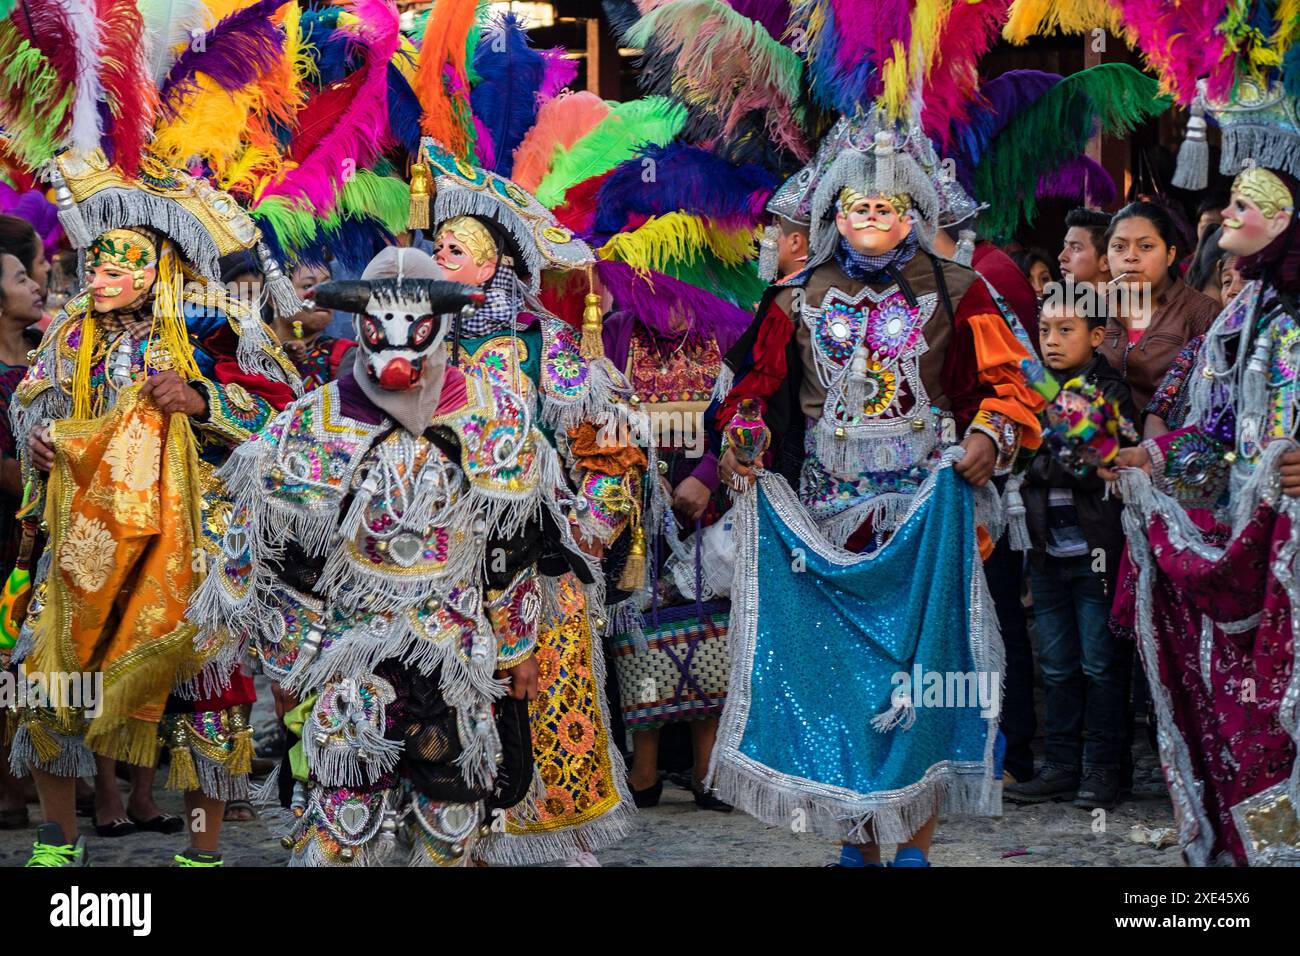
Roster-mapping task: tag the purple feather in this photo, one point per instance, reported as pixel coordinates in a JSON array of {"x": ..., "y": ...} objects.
[
  {"x": 234, "y": 53},
  {"x": 1001, "y": 100},
  {"x": 688, "y": 179},
  {"x": 656, "y": 298},
  {"x": 772, "y": 14},
  {"x": 505, "y": 97},
  {"x": 559, "y": 74},
  {"x": 1082, "y": 179}
]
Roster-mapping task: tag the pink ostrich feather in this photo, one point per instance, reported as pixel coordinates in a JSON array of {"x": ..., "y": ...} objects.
[
  {"x": 561, "y": 122},
  {"x": 968, "y": 33},
  {"x": 1180, "y": 43},
  {"x": 362, "y": 127}
]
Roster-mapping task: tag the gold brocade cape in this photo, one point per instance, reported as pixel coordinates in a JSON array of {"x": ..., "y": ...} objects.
[{"x": 122, "y": 508}]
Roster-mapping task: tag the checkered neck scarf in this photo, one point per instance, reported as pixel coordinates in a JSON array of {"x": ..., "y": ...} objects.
[
  {"x": 864, "y": 268},
  {"x": 504, "y": 299}
]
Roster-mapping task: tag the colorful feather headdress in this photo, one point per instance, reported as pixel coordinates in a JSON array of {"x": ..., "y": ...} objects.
[{"x": 1235, "y": 62}]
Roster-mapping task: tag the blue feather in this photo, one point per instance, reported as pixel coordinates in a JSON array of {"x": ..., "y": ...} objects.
[
  {"x": 337, "y": 55},
  {"x": 1001, "y": 100},
  {"x": 403, "y": 111},
  {"x": 354, "y": 242},
  {"x": 505, "y": 98},
  {"x": 688, "y": 179}
]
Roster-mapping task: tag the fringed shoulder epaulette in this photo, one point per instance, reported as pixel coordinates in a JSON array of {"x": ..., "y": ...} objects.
[
  {"x": 258, "y": 353},
  {"x": 504, "y": 456},
  {"x": 293, "y": 475},
  {"x": 574, "y": 388}
]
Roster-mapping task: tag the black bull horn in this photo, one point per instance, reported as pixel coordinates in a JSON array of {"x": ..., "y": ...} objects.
[{"x": 352, "y": 295}]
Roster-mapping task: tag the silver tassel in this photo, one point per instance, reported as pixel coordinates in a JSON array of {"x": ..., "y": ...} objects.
[
  {"x": 1193, "y": 167},
  {"x": 284, "y": 298},
  {"x": 1014, "y": 507},
  {"x": 965, "y": 247},
  {"x": 70, "y": 217},
  {"x": 884, "y": 152}
]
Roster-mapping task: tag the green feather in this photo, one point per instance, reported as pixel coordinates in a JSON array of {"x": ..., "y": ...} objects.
[
  {"x": 6, "y": 7},
  {"x": 1055, "y": 129},
  {"x": 629, "y": 126},
  {"x": 32, "y": 106},
  {"x": 366, "y": 195},
  {"x": 739, "y": 285}
]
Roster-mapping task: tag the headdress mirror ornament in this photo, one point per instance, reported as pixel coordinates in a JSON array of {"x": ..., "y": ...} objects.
[{"x": 465, "y": 190}]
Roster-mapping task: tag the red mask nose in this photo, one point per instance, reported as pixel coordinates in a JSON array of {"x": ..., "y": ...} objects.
[{"x": 398, "y": 375}]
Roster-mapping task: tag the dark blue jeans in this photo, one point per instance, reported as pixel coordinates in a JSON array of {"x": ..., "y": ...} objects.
[{"x": 1083, "y": 666}]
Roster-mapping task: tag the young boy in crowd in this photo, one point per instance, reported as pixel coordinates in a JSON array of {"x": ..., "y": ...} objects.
[
  {"x": 1076, "y": 540},
  {"x": 1083, "y": 253}
]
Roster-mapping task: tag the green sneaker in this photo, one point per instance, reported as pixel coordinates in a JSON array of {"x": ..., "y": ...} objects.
[
  {"x": 197, "y": 858},
  {"x": 51, "y": 850}
]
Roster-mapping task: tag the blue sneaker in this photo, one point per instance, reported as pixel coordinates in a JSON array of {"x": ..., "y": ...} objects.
[{"x": 910, "y": 856}]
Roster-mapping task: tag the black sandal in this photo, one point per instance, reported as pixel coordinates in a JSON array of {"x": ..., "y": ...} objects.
[
  {"x": 649, "y": 797},
  {"x": 117, "y": 828},
  {"x": 163, "y": 823}
]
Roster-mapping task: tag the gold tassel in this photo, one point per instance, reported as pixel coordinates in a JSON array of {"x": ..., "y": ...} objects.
[
  {"x": 422, "y": 189},
  {"x": 43, "y": 742},
  {"x": 169, "y": 339},
  {"x": 182, "y": 775},
  {"x": 592, "y": 346},
  {"x": 240, "y": 762},
  {"x": 633, "y": 576},
  {"x": 81, "y": 377}
]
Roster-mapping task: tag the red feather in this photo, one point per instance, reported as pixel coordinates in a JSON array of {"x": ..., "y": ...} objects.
[
  {"x": 320, "y": 114},
  {"x": 131, "y": 95},
  {"x": 45, "y": 24}
]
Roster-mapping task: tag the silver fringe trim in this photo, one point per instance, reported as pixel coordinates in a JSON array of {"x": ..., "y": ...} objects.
[
  {"x": 218, "y": 783},
  {"x": 74, "y": 759},
  {"x": 116, "y": 207},
  {"x": 948, "y": 787},
  {"x": 722, "y": 384},
  {"x": 1267, "y": 146}
]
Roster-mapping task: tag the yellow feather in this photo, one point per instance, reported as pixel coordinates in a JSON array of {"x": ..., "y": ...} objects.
[
  {"x": 894, "y": 98},
  {"x": 677, "y": 236},
  {"x": 211, "y": 126},
  {"x": 253, "y": 163},
  {"x": 928, "y": 18},
  {"x": 1029, "y": 18},
  {"x": 1288, "y": 25}
]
